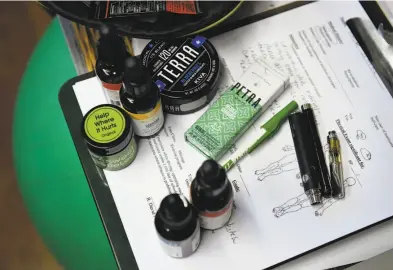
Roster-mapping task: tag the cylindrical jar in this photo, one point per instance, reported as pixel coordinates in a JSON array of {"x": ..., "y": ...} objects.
[{"x": 109, "y": 137}]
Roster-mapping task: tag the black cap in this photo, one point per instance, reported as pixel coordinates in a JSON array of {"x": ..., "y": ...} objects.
[
  {"x": 211, "y": 174},
  {"x": 211, "y": 190},
  {"x": 176, "y": 219},
  {"x": 135, "y": 72},
  {"x": 175, "y": 211},
  {"x": 138, "y": 87},
  {"x": 111, "y": 48}
]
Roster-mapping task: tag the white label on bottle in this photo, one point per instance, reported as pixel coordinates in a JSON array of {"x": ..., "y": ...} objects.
[
  {"x": 181, "y": 249},
  {"x": 148, "y": 124},
  {"x": 196, "y": 239},
  {"x": 216, "y": 219},
  {"x": 172, "y": 248},
  {"x": 114, "y": 97},
  {"x": 112, "y": 92}
]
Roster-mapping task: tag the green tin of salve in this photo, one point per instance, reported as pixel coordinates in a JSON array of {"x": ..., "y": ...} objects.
[{"x": 108, "y": 133}]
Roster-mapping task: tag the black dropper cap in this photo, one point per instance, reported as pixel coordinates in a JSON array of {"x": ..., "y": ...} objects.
[
  {"x": 211, "y": 190},
  {"x": 138, "y": 87},
  {"x": 176, "y": 219},
  {"x": 135, "y": 72},
  {"x": 211, "y": 175},
  {"x": 111, "y": 48}
]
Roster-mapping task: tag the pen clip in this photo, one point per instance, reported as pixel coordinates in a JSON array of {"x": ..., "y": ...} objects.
[{"x": 386, "y": 35}]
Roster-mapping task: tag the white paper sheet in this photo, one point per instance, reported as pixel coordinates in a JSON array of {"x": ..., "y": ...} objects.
[{"x": 272, "y": 222}]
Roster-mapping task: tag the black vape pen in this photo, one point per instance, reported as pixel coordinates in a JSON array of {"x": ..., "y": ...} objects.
[
  {"x": 306, "y": 156},
  {"x": 326, "y": 188}
]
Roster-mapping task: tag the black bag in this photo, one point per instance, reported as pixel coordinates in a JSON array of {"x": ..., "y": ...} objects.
[{"x": 162, "y": 25}]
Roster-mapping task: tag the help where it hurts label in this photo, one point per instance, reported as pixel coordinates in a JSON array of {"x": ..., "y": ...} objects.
[{"x": 104, "y": 124}]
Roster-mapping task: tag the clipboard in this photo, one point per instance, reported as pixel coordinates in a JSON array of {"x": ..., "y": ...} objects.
[{"x": 117, "y": 237}]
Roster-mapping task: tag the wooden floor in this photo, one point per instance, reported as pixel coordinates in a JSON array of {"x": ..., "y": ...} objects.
[{"x": 21, "y": 26}]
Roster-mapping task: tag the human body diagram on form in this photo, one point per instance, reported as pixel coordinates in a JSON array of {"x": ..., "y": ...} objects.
[
  {"x": 285, "y": 164},
  {"x": 288, "y": 163},
  {"x": 301, "y": 201}
]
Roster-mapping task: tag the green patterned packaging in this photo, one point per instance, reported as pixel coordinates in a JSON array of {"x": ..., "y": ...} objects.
[{"x": 236, "y": 110}]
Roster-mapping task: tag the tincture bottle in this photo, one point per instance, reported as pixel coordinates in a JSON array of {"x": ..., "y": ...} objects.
[
  {"x": 109, "y": 67},
  {"x": 140, "y": 97},
  {"x": 212, "y": 195},
  {"x": 177, "y": 226}
]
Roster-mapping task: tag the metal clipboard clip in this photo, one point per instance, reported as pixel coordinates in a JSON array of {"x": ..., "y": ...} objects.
[
  {"x": 385, "y": 34},
  {"x": 377, "y": 45}
]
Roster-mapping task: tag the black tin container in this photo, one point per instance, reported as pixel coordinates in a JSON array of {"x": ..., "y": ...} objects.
[{"x": 185, "y": 70}]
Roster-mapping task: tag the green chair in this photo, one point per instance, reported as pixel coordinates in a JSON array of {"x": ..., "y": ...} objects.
[{"x": 50, "y": 177}]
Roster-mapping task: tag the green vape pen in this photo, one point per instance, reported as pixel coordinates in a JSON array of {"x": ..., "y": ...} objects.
[{"x": 269, "y": 129}]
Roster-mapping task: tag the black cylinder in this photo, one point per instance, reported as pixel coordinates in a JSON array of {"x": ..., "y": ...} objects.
[
  {"x": 306, "y": 156},
  {"x": 326, "y": 188}
]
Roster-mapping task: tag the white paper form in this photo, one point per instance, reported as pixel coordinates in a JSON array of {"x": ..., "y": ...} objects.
[
  {"x": 272, "y": 222},
  {"x": 329, "y": 70}
]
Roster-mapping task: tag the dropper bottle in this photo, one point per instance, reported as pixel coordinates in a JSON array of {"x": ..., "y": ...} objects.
[
  {"x": 140, "y": 97},
  {"x": 177, "y": 226},
  {"x": 212, "y": 195},
  {"x": 109, "y": 68}
]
